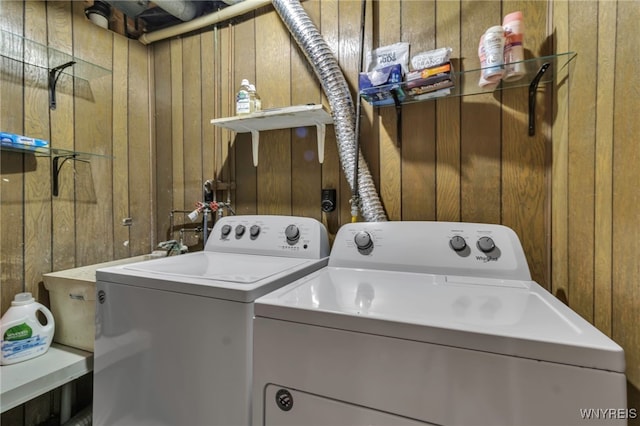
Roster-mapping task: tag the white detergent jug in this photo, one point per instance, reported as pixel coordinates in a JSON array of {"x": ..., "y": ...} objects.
[{"x": 23, "y": 336}]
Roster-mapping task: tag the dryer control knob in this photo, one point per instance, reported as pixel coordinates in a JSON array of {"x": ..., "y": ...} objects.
[
  {"x": 240, "y": 230},
  {"x": 292, "y": 233},
  {"x": 254, "y": 231},
  {"x": 486, "y": 244},
  {"x": 363, "y": 241},
  {"x": 458, "y": 243},
  {"x": 225, "y": 231}
]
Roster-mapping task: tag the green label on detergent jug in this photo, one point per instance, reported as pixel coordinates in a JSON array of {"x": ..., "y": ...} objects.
[{"x": 18, "y": 332}]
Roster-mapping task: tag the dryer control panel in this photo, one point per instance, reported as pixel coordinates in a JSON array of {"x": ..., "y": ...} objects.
[
  {"x": 442, "y": 248},
  {"x": 288, "y": 236}
]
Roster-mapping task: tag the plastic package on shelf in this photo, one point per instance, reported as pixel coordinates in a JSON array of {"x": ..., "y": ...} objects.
[{"x": 19, "y": 141}]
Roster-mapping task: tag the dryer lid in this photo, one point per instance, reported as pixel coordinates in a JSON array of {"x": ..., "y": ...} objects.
[{"x": 508, "y": 317}]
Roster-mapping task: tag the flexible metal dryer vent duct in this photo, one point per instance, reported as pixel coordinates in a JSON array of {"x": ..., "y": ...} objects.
[{"x": 342, "y": 110}]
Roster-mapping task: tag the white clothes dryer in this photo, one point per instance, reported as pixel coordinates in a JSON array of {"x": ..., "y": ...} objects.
[
  {"x": 429, "y": 323},
  {"x": 174, "y": 335}
]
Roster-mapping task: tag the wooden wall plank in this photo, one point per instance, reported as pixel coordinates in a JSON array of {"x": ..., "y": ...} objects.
[
  {"x": 192, "y": 117},
  {"x": 222, "y": 52},
  {"x": 626, "y": 197},
  {"x": 480, "y": 118},
  {"x": 225, "y": 154},
  {"x": 331, "y": 171},
  {"x": 12, "y": 202},
  {"x": 140, "y": 199},
  {"x": 524, "y": 158},
  {"x": 59, "y": 26},
  {"x": 306, "y": 177},
  {"x": 120, "y": 148},
  {"x": 163, "y": 159},
  {"x": 93, "y": 115},
  {"x": 243, "y": 41},
  {"x": 448, "y": 170},
  {"x": 273, "y": 79},
  {"x": 603, "y": 219},
  {"x": 177, "y": 137},
  {"x": 418, "y": 151},
  {"x": 559, "y": 165},
  {"x": 207, "y": 81},
  {"x": 153, "y": 152},
  {"x": 581, "y": 162},
  {"x": 348, "y": 57},
  {"x": 369, "y": 132},
  {"x": 388, "y": 18},
  {"x": 37, "y": 218}
]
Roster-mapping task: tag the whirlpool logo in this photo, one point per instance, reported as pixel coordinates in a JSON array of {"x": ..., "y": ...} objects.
[{"x": 486, "y": 259}]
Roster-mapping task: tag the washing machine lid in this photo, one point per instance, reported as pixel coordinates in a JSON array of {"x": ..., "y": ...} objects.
[
  {"x": 231, "y": 276},
  {"x": 508, "y": 317}
]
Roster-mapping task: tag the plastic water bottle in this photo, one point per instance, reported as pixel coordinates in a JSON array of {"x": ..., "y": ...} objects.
[
  {"x": 243, "y": 99},
  {"x": 255, "y": 99},
  {"x": 23, "y": 336},
  {"x": 513, "y": 49}
]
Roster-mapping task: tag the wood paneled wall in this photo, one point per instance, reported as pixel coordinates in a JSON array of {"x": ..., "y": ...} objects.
[
  {"x": 483, "y": 170},
  {"x": 109, "y": 116},
  {"x": 595, "y": 178},
  {"x": 570, "y": 192}
]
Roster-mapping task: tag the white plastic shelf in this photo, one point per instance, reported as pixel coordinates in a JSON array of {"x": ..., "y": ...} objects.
[
  {"x": 279, "y": 118},
  {"x": 28, "y": 379}
]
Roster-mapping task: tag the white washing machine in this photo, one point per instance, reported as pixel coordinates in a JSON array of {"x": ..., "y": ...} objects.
[
  {"x": 174, "y": 335},
  {"x": 429, "y": 323}
]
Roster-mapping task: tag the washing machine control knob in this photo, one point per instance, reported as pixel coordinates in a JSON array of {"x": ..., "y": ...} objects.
[
  {"x": 486, "y": 244},
  {"x": 292, "y": 233},
  {"x": 225, "y": 231},
  {"x": 240, "y": 230},
  {"x": 254, "y": 231},
  {"x": 458, "y": 243},
  {"x": 363, "y": 241}
]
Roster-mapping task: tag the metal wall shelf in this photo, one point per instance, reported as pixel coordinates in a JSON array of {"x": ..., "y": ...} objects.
[{"x": 279, "y": 118}]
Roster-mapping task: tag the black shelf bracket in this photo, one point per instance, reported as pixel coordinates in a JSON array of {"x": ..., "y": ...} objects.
[
  {"x": 398, "y": 104},
  {"x": 54, "y": 74},
  {"x": 533, "y": 88},
  {"x": 56, "y": 169}
]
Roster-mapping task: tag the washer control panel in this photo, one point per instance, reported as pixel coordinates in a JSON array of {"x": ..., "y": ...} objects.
[
  {"x": 444, "y": 248},
  {"x": 270, "y": 235}
]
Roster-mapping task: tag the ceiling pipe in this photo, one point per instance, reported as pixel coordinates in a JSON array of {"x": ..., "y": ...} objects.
[
  {"x": 204, "y": 21},
  {"x": 181, "y": 9}
]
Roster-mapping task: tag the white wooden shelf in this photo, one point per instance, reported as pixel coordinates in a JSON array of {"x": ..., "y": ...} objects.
[
  {"x": 28, "y": 379},
  {"x": 279, "y": 118}
]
